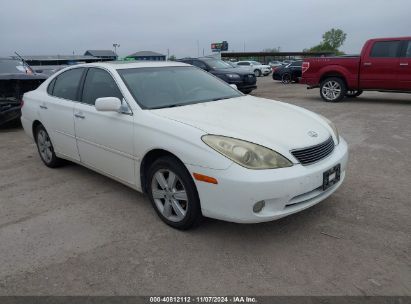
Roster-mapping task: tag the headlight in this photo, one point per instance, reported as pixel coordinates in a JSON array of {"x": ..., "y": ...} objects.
[
  {"x": 246, "y": 154},
  {"x": 233, "y": 76},
  {"x": 333, "y": 127}
]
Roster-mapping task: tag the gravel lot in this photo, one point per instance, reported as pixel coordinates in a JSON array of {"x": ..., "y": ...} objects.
[{"x": 71, "y": 231}]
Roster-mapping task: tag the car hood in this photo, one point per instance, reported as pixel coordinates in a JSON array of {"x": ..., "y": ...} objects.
[
  {"x": 273, "y": 124},
  {"x": 232, "y": 70}
]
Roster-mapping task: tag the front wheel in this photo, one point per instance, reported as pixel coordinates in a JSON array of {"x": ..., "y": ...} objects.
[
  {"x": 246, "y": 91},
  {"x": 257, "y": 73},
  {"x": 333, "y": 89},
  {"x": 353, "y": 93},
  {"x": 173, "y": 193}
]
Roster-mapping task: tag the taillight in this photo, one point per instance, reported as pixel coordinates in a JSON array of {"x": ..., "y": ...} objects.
[{"x": 305, "y": 66}]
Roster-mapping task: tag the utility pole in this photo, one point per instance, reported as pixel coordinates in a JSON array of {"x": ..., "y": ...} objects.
[
  {"x": 115, "y": 46},
  {"x": 244, "y": 46},
  {"x": 198, "y": 48},
  {"x": 168, "y": 54}
]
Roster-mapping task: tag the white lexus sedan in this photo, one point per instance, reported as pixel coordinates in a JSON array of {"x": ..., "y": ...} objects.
[{"x": 194, "y": 144}]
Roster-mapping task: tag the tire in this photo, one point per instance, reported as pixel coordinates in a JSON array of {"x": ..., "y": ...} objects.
[
  {"x": 246, "y": 91},
  {"x": 46, "y": 149},
  {"x": 353, "y": 93},
  {"x": 162, "y": 187},
  {"x": 286, "y": 78},
  {"x": 333, "y": 89},
  {"x": 257, "y": 73}
]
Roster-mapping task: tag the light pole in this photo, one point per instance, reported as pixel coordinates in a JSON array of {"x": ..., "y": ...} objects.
[{"x": 115, "y": 46}]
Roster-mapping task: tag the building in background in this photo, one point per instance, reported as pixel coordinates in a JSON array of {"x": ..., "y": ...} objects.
[
  {"x": 105, "y": 55},
  {"x": 147, "y": 55}
]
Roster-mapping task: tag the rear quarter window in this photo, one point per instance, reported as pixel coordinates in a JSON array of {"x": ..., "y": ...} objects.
[{"x": 67, "y": 84}]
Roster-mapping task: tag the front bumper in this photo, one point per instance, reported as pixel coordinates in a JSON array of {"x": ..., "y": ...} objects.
[
  {"x": 267, "y": 72},
  {"x": 285, "y": 191}
]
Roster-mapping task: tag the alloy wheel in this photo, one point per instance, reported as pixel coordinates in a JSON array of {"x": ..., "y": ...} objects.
[
  {"x": 331, "y": 90},
  {"x": 169, "y": 195},
  {"x": 45, "y": 147}
]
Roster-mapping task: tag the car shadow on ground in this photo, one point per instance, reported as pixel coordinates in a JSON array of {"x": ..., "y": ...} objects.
[{"x": 11, "y": 126}]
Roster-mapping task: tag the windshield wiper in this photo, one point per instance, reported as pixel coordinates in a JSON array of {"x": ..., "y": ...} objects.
[
  {"x": 168, "y": 106},
  {"x": 220, "y": 98}
]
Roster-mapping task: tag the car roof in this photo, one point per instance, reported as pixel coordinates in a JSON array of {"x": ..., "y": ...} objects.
[{"x": 133, "y": 64}]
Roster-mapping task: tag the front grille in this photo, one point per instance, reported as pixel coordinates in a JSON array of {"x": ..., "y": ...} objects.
[
  {"x": 249, "y": 78},
  {"x": 315, "y": 153}
]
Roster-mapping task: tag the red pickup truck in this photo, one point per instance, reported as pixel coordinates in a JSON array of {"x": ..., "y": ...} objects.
[{"x": 384, "y": 65}]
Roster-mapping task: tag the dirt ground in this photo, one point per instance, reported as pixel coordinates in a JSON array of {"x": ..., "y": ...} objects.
[{"x": 70, "y": 231}]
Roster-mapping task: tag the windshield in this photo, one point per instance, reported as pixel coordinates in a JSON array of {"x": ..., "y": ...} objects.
[
  {"x": 10, "y": 66},
  {"x": 164, "y": 87},
  {"x": 216, "y": 63},
  {"x": 255, "y": 62}
]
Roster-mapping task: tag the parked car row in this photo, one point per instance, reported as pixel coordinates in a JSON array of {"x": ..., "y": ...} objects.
[{"x": 244, "y": 80}]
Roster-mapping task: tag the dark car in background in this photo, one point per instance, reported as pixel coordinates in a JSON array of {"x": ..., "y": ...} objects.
[
  {"x": 244, "y": 80},
  {"x": 16, "y": 78},
  {"x": 288, "y": 73}
]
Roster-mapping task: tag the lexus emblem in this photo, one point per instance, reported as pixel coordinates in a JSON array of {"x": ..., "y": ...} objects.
[{"x": 312, "y": 134}]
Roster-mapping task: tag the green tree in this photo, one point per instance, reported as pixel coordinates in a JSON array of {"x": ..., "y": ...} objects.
[
  {"x": 172, "y": 58},
  {"x": 332, "y": 41}
]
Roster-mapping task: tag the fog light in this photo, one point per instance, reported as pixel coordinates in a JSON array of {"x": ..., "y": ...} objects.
[{"x": 258, "y": 206}]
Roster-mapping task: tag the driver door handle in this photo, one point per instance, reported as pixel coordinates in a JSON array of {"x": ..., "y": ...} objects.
[
  {"x": 79, "y": 116},
  {"x": 367, "y": 63}
]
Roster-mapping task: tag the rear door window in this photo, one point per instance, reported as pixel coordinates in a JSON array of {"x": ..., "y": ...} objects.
[
  {"x": 99, "y": 83},
  {"x": 243, "y": 63},
  {"x": 67, "y": 84},
  {"x": 407, "y": 49},
  {"x": 385, "y": 49}
]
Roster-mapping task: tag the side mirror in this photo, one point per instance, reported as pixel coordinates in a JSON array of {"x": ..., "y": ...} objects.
[
  {"x": 233, "y": 86},
  {"x": 108, "y": 104}
]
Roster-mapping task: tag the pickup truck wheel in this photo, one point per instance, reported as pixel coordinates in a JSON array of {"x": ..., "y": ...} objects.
[
  {"x": 333, "y": 89},
  {"x": 353, "y": 93},
  {"x": 257, "y": 73},
  {"x": 45, "y": 148}
]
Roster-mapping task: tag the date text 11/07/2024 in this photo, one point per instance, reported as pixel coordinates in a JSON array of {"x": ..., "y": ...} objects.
[{"x": 205, "y": 299}]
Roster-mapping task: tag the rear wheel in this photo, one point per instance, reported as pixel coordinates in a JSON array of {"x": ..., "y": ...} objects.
[
  {"x": 286, "y": 78},
  {"x": 173, "y": 193},
  {"x": 353, "y": 93},
  {"x": 45, "y": 148},
  {"x": 333, "y": 89}
]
